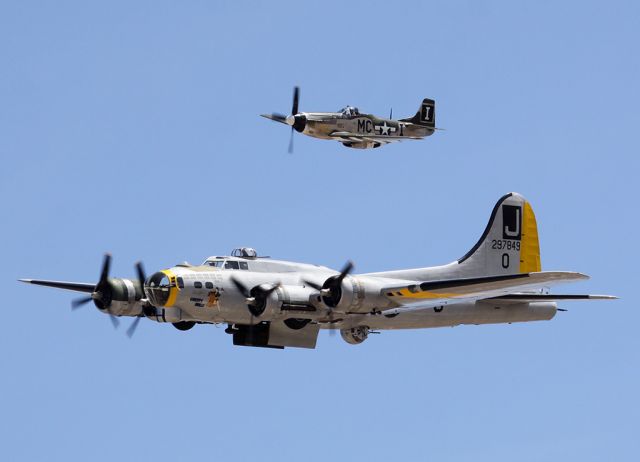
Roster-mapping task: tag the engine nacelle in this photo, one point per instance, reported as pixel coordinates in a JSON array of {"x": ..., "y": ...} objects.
[
  {"x": 288, "y": 298},
  {"x": 293, "y": 297},
  {"x": 355, "y": 335},
  {"x": 360, "y": 294},
  {"x": 121, "y": 297}
]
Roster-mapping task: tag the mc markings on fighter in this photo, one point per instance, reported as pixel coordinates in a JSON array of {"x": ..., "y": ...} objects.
[
  {"x": 277, "y": 304},
  {"x": 356, "y": 130}
]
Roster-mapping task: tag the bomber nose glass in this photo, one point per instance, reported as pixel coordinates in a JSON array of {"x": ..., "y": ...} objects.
[{"x": 157, "y": 289}]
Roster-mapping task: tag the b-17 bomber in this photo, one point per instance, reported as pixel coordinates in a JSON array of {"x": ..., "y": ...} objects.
[
  {"x": 272, "y": 303},
  {"x": 357, "y": 130}
]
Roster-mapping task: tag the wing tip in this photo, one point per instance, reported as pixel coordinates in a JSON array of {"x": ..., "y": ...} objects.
[{"x": 28, "y": 281}]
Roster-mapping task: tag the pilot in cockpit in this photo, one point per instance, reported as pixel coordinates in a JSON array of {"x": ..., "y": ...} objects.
[{"x": 350, "y": 111}]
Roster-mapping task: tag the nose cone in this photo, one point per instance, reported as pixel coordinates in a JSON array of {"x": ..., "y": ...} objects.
[
  {"x": 290, "y": 120},
  {"x": 161, "y": 288},
  {"x": 298, "y": 122}
]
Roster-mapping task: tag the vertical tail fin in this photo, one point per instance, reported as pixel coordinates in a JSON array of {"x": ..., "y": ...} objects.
[
  {"x": 426, "y": 115},
  {"x": 509, "y": 244}
]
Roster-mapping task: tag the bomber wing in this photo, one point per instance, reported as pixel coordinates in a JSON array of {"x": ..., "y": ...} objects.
[
  {"x": 451, "y": 291},
  {"x": 75, "y": 286}
]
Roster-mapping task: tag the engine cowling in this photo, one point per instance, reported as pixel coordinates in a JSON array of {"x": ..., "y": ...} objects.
[
  {"x": 120, "y": 297},
  {"x": 298, "y": 297},
  {"x": 355, "y": 335}
]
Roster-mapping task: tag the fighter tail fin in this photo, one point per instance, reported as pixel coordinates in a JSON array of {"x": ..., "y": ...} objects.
[{"x": 426, "y": 115}]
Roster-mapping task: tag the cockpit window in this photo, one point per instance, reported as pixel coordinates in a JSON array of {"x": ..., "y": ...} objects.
[
  {"x": 349, "y": 111},
  {"x": 214, "y": 263},
  {"x": 230, "y": 264}
]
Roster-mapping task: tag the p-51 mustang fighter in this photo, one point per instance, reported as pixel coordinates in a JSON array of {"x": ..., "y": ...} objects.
[
  {"x": 356, "y": 130},
  {"x": 277, "y": 304}
]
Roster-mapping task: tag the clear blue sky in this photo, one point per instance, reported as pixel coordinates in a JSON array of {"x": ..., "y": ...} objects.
[{"x": 133, "y": 127}]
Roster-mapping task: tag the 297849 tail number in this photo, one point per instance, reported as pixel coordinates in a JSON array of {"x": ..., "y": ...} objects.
[{"x": 503, "y": 244}]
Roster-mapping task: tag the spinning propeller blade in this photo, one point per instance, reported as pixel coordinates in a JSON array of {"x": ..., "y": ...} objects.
[
  {"x": 134, "y": 325},
  {"x": 331, "y": 291},
  {"x": 290, "y": 150},
  {"x": 296, "y": 99},
  {"x": 78, "y": 302}
]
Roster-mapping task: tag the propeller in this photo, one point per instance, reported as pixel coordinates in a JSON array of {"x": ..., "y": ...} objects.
[
  {"x": 296, "y": 100},
  {"x": 256, "y": 297},
  {"x": 141, "y": 277},
  {"x": 79, "y": 302},
  {"x": 331, "y": 290},
  {"x": 134, "y": 325},
  {"x": 297, "y": 121},
  {"x": 102, "y": 293},
  {"x": 290, "y": 150}
]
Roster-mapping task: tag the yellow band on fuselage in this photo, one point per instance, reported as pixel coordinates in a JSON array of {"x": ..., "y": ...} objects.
[
  {"x": 173, "y": 289},
  {"x": 406, "y": 293}
]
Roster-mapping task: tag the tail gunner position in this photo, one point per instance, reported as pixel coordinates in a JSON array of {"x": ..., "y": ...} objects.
[
  {"x": 277, "y": 304},
  {"x": 356, "y": 130}
]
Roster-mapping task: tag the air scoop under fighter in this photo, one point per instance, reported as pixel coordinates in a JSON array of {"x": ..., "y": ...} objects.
[
  {"x": 273, "y": 303},
  {"x": 357, "y": 130}
]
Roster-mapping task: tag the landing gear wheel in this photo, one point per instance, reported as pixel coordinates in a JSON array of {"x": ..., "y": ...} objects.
[
  {"x": 184, "y": 325},
  {"x": 296, "y": 324}
]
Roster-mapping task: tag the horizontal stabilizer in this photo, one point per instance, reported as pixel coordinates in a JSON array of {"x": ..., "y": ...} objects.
[
  {"x": 551, "y": 297},
  {"x": 453, "y": 291},
  {"x": 453, "y": 288}
]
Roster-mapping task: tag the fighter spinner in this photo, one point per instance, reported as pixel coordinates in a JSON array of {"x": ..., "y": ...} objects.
[
  {"x": 356, "y": 130},
  {"x": 277, "y": 304}
]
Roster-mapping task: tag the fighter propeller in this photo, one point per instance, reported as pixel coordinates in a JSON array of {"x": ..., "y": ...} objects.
[{"x": 297, "y": 121}]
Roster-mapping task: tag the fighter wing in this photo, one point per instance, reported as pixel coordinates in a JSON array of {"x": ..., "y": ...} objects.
[
  {"x": 350, "y": 136},
  {"x": 276, "y": 117},
  {"x": 451, "y": 291}
]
